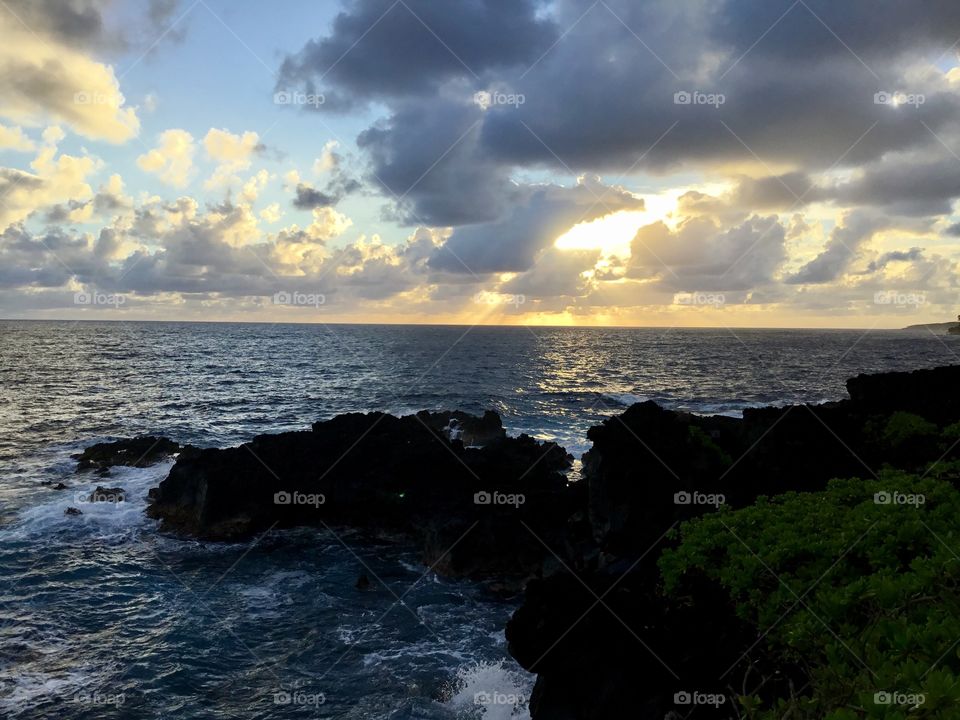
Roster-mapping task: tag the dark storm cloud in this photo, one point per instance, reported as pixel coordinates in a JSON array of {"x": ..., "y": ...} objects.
[
  {"x": 598, "y": 82},
  {"x": 873, "y": 30},
  {"x": 385, "y": 48},
  {"x": 905, "y": 186},
  {"x": 308, "y": 198},
  {"x": 427, "y": 161}
]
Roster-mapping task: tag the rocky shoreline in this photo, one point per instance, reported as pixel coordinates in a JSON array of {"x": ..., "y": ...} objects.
[{"x": 597, "y": 625}]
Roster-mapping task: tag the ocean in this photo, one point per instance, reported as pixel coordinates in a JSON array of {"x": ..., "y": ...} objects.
[{"x": 103, "y": 617}]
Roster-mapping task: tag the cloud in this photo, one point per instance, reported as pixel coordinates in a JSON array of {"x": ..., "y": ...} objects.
[
  {"x": 841, "y": 249},
  {"x": 701, "y": 256},
  {"x": 56, "y": 178},
  {"x": 382, "y": 49},
  {"x": 895, "y": 256},
  {"x": 172, "y": 159},
  {"x": 427, "y": 161},
  {"x": 309, "y": 198},
  {"x": 13, "y": 138},
  {"x": 339, "y": 186},
  {"x": 904, "y": 185},
  {"x": 232, "y": 153},
  {"x": 440, "y": 159},
  {"x": 538, "y": 216},
  {"x": 83, "y": 24},
  {"x": 271, "y": 213},
  {"x": 329, "y": 159},
  {"x": 44, "y": 79},
  {"x": 109, "y": 200},
  {"x": 557, "y": 273}
]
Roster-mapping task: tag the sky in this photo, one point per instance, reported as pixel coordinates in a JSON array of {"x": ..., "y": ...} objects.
[{"x": 738, "y": 163}]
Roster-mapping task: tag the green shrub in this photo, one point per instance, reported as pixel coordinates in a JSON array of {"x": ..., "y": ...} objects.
[
  {"x": 862, "y": 594},
  {"x": 903, "y": 427}
]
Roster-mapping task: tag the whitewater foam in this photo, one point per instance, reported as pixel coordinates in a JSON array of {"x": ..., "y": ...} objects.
[
  {"x": 490, "y": 691},
  {"x": 109, "y": 521}
]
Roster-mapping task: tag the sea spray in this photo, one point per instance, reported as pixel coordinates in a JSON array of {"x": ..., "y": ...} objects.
[{"x": 490, "y": 691}]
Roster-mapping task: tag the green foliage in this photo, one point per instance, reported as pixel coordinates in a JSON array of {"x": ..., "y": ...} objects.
[
  {"x": 951, "y": 433},
  {"x": 903, "y": 427},
  {"x": 863, "y": 595}
]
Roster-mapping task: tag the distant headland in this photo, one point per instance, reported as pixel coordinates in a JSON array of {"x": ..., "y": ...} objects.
[{"x": 944, "y": 328}]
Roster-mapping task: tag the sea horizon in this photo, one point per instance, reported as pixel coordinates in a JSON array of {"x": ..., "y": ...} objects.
[{"x": 487, "y": 325}]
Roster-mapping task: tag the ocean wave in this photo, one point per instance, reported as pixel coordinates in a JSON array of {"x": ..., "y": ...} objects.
[
  {"x": 108, "y": 521},
  {"x": 622, "y": 399},
  {"x": 490, "y": 691}
]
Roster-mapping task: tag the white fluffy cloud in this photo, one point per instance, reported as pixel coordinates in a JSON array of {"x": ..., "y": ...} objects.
[
  {"x": 56, "y": 178},
  {"x": 232, "y": 153},
  {"x": 172, "y": 159},
  {"x": 44, "y": 79},
  {"x": 13, "y": 138}
]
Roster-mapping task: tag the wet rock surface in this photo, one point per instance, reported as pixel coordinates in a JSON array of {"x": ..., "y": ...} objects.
[{"x": 142, "y": 451}]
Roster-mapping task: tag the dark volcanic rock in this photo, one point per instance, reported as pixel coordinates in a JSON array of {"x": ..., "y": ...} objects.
[
  {"x": 602, "y": 640},
  {"x": 142, "y": 451},
  {"x": 105, "y": 494},
  {"x": 476, "y": 511},
  {"x": 933, "y": 394},
  {"x": 469, "y": 429},
  {"x": 72, "y": 511}
]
